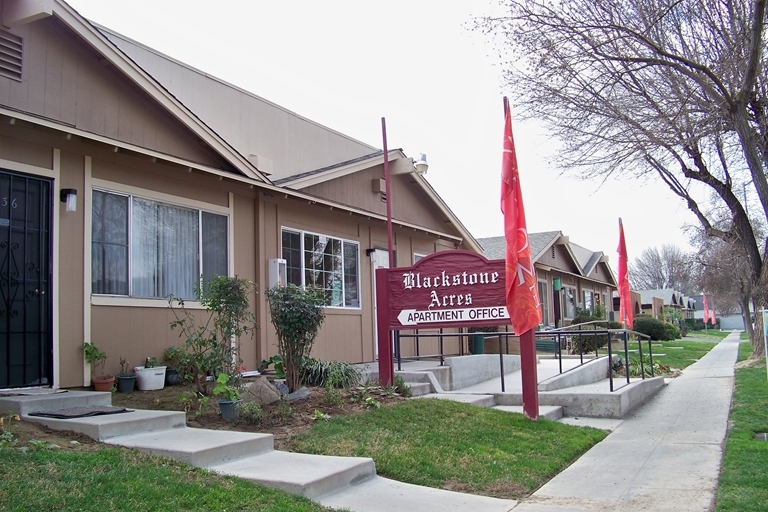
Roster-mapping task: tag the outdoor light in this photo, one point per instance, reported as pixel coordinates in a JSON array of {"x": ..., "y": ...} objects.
[
  {"x": 69, "y": 196},
  {"x": 421, "y": 164}
]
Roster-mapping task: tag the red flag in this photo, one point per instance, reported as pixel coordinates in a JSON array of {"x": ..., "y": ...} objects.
[
  {"x": 625, "y": 298},
  {"x": 712, "y": 319},
  {"x": 522, "y": 288},
  {"x": 706, "y": 310}
]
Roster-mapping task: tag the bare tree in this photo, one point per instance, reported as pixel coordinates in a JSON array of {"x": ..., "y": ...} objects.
[
  {"x": 670, "y": 90},
  {"x": 722, "y": 271},
  {"x": 669, "y": 267}
]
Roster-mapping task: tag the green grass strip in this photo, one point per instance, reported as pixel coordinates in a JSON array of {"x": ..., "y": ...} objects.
[
  {"x": 675, "y": 357},
  {"x": 119, "y": 479},
  {"x": 456, "y": 446},
  {"x": 744, "y": 476}
]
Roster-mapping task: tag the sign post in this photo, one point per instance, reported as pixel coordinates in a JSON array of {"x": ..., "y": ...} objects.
[
  {"x": 765, "y": 336},
  {"x": 448, "y": 289}
]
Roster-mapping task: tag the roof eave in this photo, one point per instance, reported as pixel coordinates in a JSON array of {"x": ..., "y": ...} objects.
[{"x": 146, "y": 82}]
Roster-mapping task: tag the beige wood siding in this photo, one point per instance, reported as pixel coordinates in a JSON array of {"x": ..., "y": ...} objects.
[
  {"x": 65, "y": 81},
  {"x": 347, "y": 334},
  {"x": 249, "y": 123},
  {"x": 409, "y": 203}
]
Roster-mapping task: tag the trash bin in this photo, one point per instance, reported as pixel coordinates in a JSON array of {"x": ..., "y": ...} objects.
[{"x": 478, "y": 344}]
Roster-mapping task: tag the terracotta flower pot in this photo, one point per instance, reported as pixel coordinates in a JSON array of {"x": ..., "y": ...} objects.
[{"x": 103, "y": 382}]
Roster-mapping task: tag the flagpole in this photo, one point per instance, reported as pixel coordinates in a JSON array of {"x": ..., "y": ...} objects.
[
  {"x": 387, "y": 191},
  {"x": 521, "y": 297},
  {"x": 386, "y": 353}
]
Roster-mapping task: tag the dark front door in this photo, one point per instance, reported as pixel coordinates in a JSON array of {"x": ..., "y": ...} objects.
[{"x": 26, "y": 344}]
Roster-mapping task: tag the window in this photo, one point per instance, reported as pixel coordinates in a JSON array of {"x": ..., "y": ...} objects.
[
  {"x": 417, "y": 257},
  {"x": 569, "y": 301},
  {"x": 544, "y": 299},
  {"x": 328, "y": 263},
  {"x": 588, "y": 301},
  {"x": 145, "y": 248}
]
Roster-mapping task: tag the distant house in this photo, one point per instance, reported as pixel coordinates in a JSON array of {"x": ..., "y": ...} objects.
[
  {"x": 654, "y": 302},
  {"x": 126, "y": 175},
  {"x": 727, "y": 320},
  {"x": 570, "y": 276}
]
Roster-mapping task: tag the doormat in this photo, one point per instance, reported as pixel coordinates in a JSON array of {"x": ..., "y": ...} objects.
[
  {"x": 30, "y": 391},
  {"x": 81, "y": 412}
]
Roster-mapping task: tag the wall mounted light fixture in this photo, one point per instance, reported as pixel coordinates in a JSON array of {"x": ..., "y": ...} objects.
[
  {"x": 420, "y": 164},
  {"x": 69, "y": 196}
]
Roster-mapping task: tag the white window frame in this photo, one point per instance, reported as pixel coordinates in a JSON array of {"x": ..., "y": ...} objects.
[
  {"x": 544, "y": 300},
  {"x": 302, "y": 233},
  {"x": 565, "y": 301},
  {"x": 173, "y": 200}
]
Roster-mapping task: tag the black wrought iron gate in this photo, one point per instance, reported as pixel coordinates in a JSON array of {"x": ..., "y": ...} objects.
[{"x": 26, "y": 343}]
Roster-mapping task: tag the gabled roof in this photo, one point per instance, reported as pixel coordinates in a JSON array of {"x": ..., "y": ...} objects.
[
  {"x": 19, "y": 13},
  {"x": 670, "y": 296},
  {"x": 108, "y": 44},
  {"x": 248, "y": 122},
  {"x": 494, "y": 248},
  {"x": 585, "y": 260},
  {"x": 210, "y": 108}
]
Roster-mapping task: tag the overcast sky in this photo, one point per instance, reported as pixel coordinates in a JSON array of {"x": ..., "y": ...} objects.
[{"x": 348, "y": 63}]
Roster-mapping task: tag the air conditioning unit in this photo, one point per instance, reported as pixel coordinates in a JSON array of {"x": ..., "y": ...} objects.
[{"x": 278, "y": 272}]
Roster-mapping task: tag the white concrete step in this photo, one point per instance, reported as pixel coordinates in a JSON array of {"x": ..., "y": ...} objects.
[
  {"x": 419, "y": 388},
  {"x": 549, "y": 412},
  {"x": 107, "y": 426},
  {"x": 198, "y": 447},
  {"x": 481, "y": 400},
  {"x": 383, "y": 495},
  {"x": 26, "y": 404},
  {"x": 300, "y": 473}
]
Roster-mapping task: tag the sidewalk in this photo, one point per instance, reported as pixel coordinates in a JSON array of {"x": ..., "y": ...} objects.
[{"x": 665, "y": 456}]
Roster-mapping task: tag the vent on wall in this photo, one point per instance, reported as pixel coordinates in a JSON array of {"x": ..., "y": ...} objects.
[{"x": 10, "y": 55}]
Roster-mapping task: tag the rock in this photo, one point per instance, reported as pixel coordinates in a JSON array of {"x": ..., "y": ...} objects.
[
  {"x": 299, "y": 394},
  {"x": 260, "y": 391}
]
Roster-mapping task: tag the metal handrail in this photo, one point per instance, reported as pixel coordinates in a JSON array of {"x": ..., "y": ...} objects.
[{"x": 558, "y": 333}]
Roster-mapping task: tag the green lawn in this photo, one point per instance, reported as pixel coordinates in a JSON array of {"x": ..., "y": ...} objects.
[
  {"x": 446, "y": 444},
  {"x": 120, "y": 479},
  {"x": 680, "y": 354},
  {"x": 744, "y": 476},
  {"x": 715, "y": 334}
]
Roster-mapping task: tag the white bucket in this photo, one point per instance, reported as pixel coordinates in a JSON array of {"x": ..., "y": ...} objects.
[{"x": 148, "y": 379}]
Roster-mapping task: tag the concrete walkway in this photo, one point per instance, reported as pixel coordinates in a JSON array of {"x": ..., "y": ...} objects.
[{"x": 665, "y": 456}]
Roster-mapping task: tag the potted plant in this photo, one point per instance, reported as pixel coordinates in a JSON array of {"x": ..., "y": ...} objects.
[
  {"x": 178, "y": 365},
  {"x": 150, "y": 376},
  {"x": 125, "y": 380},
  {"x": 96, "y": 358},
  {"x": 229, "y": 389}
]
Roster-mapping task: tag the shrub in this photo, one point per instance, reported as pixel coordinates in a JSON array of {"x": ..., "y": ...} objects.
[
  {"x": 586, "y": 343},
  {"x": 209, "y": 346},
  {"x": 248, "y": 412},
  {"x": 297, "y": 314},
  {"x": 651, "y": 327},
  {"x": 401, "y": 388},
  {"x": 315, "y": 372},
  {"x": 671, "y": 332},
  {"x": 178, "y": 359}
]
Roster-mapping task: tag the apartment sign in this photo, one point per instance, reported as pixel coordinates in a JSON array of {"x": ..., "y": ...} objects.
[{"x": 447, "y": 289}]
